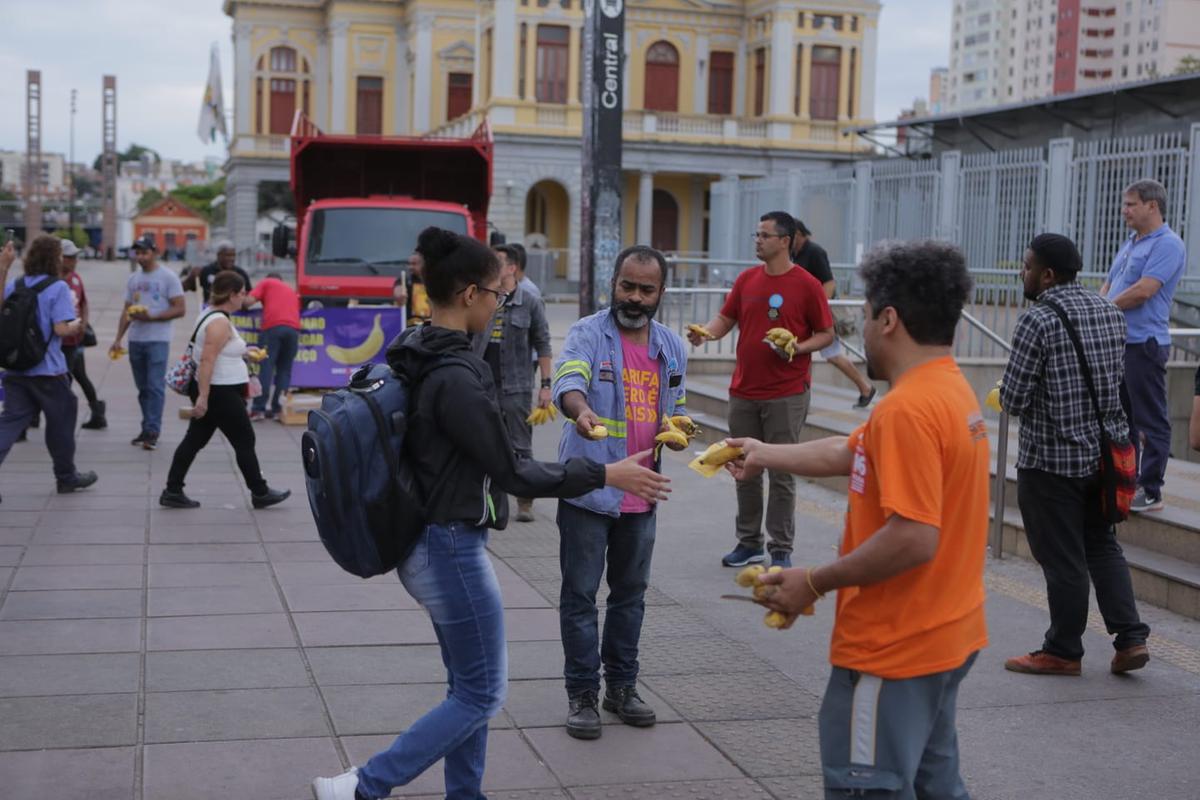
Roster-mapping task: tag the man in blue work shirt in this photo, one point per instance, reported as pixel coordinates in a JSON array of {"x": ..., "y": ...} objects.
[
  {"x": 46, "y": 386},
  {"x": 1141, "y": 282},
  {"x": 623, "y": 371}
]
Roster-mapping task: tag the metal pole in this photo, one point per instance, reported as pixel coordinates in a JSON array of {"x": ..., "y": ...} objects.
[{"x": 996, "y": 538}]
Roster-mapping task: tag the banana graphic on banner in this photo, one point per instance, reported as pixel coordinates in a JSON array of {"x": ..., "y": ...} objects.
[{"x": 360, "y": 353}]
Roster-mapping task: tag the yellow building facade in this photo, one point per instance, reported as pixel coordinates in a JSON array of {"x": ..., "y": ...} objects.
[{"x": 712, "y": 90}]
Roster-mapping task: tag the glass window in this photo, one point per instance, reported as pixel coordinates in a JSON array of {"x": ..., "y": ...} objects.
[
  {"x": 553, "y": 47},
  {"x": 363, "y": 242}
]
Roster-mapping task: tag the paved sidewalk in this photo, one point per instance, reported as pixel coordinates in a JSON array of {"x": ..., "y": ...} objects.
[{"x": 218, "y": 653}]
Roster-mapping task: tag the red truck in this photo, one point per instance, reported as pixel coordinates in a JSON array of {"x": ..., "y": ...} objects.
[{"x": 361, "y": 202}]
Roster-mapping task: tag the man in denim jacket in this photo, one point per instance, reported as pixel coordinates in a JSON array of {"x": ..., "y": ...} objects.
[
  {"x": 518, "y": 330},
  {"x": 621, "y": 370}
]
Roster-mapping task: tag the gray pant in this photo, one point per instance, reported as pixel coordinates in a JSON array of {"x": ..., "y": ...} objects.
[
  {"x": 515, "y": 409},
  {"x": 891, "y": 739},
  {"x": 777, "y": 421}
]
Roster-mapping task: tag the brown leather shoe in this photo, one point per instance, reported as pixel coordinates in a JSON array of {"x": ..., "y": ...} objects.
[
  {"x": 525, "y": 510},
  {"x": 1039, "y": 662},
  {"x": 1130, "y": 658}
]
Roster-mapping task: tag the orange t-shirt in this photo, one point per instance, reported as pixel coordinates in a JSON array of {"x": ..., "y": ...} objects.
[{"x": 922, "y": 454}]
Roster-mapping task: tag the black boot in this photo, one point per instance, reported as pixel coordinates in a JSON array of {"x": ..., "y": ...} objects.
[
  {"x": 626, "y": 704},
  {"x": 176, "y": 500},
  {"x": 583, "y": 718},
  {"x": 270, "y": 497},
  {"x": 82, "y": 480},
  {"x": 97, "y": 421}
]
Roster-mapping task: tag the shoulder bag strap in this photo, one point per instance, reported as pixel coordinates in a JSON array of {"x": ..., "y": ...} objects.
[
  {"x": 1083, "y": 364},
  {"x": 204, "y": 319}
]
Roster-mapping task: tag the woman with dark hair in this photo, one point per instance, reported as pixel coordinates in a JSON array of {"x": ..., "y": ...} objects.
[
  {"x": 460, "y": 452},
  {"x": 219, "y": 398}
]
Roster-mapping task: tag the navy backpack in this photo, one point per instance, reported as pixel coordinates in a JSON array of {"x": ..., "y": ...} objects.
[{"x": 361, "y": 489}]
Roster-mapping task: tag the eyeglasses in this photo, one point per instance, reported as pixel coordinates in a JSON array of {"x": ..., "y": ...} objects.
[
  {"x": 502, "y": 297},
  {"x": 760, "y": 235}
]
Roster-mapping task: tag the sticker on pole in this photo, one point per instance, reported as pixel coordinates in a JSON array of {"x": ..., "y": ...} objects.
[{"x": 612, "y": 8}]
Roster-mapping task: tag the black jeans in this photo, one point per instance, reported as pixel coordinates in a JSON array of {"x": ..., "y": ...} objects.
[
  {"x": 24, "y": 397},
  {"x": 227, "y": 414},
  {"x": 1144, "y": 398},
  {"x": 74, "y": 356},
  {"x": 1071, "y": 541}
]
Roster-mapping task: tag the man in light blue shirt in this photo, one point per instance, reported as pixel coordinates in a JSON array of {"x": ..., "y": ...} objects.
[
  {"x": 46, "y": 386},
  {"x": 160, "y": 293},
  {"x": 1141, "y": 282}
]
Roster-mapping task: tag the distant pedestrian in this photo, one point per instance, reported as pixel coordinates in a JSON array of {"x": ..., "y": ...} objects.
[
  {"x": 415, "y": 295},
  {"x": 464, "y": 463},
  {"x": 518, "y": 332},
  {"x": 44, "y": 387},
  {"x": 769, "y": 394},
  {"x": 1058, "y": 461},
  {"x": 813, "y": 258},
  {"x": 73, "y": 346},
  {"x": 1141, "y": 282},
  {"x": 281, "y": 337},
  {"x": 910, "y": 618},
  {"x": 202, "y": 278},
  {"x": 219, "y": 399},
  {"x": 160, "y": 295}
]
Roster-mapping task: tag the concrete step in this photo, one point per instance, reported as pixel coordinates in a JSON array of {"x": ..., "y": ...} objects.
[{"x": 1163, "y": 547}]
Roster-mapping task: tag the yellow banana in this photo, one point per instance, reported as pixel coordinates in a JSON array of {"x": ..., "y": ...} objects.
[
  {"x": 701, "y": 330},
  {"x": 993, "y": 399},
  {"x": 535, "y": 418},
  {"x": 599, "y": 432},
  {"x": 709, "y": 462},
  {"x": 673, "y": 438},
  {"x": 749, "y": 576},
  {"x": 684, "y": 425},
  {"x": 360, "y": 353},
  {"x": 775, "y": 620}
]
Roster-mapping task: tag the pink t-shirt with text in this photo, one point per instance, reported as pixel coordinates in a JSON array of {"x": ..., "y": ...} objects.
[{"x": 640, "y": 378}]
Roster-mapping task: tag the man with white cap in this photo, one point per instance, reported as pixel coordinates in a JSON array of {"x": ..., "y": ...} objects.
[{"x": 73, "y": 345}]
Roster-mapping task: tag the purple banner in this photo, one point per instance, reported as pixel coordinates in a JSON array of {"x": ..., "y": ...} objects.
[{"x": 333, "y": 341}]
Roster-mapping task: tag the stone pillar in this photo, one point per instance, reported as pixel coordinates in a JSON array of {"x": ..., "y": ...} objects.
[
  {"x": 400, "y": 82},
  {"x": 645, "y": 211},
  {"x": 723, "y": 219},
  {"x": 865, "y": 72},
  {"x": 320, "y": 82},
  {"x": 740, "y": 80},
  {"x": 241, "y": 212},
  {"x": 805, "y": 80},
  {"x": 423, "y": 71},
  {"x": 504, "y": 50},
  {"x": 574, "y": 46},
  {"x": 243, "y": 70},
  {"x": 337, "y": 76},
  {"x": 843, "y": 104},
  {"x": 703, "y": 65},
  {"x": 782, "y": 62}
]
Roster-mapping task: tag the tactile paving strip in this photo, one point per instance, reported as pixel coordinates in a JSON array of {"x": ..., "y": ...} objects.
[
  {"x": 685, "y": 790},
  {"x": 1173, "y": 652},
  {"x": 698, "y": 656},
  {"x": 738, "y": 696},
  {"x": 768, "y": 747},
  {"x": 536, "y": 569},
  {"x": 795, "y": 786}
]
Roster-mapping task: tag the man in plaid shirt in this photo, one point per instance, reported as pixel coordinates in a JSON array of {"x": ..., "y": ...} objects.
[{"x": 1058, "y": 461}]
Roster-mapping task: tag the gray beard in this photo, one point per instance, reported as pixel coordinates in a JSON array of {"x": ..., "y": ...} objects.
[{"x": 632, "y": 322}]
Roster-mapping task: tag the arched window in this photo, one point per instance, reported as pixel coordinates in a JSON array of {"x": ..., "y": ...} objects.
[
  {"x": 281, "y": 84},
  {"x": 662, "y": 77},
  {"x": 664, "y": 225}
]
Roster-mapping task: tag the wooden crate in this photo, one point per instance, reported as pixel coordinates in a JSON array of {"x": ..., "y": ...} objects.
[{"x": 297, "y": 405}]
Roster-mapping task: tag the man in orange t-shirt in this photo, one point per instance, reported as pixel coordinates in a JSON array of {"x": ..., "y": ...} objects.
[{"x": 910, "y": 616}]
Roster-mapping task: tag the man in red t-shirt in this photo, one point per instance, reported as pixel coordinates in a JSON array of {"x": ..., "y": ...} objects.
[
  {"x": 280, "y": 337},
  {"x": 768, "y": 396},
  {"x": 72, "y": 346}
]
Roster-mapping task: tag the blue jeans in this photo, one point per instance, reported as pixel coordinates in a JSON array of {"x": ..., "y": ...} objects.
[
  {"x": 1144, "y": 398},
  {"x": 24, "y": 397},
  {"x": 148, "y": 360},
  {"x": 282, "y": 343},
  {"x": 588, "y": 541},
  {"x": 449, "y": 574}
]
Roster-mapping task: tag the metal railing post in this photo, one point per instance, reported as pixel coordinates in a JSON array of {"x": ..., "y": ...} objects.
[{"x": 999, "y": 489}]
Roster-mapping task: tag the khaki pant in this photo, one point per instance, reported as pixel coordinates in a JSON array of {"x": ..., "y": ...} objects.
[{"x": 776, "y": 421}]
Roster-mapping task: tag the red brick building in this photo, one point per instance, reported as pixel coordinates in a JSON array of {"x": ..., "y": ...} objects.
[{"x": 170, "y": 224}]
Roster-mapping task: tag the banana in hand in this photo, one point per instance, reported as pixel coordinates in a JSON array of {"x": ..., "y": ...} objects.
[
  {"x": 782, "y": 342},
  {"x": 700, "y": 330},
  {"x": 540, "y": 416},
  {"x": 709, "y": 462},
  {"x": 680, "y": 431},
  {"x": 992, "y": 400}
]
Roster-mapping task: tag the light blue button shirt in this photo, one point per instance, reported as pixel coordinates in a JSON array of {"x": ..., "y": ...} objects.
[{"x": 1160, "y": 255}]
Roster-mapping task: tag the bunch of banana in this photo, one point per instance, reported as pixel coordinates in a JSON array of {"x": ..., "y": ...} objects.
[
  {"x": 598, "y": 432},
  {"x": 782, "y": 341},
  {"x": 680, "y": 431},
  {"x": 992, "y": 400},
  {"x": 700, "y": 330},
  {"x": 116, "y": 352},
  {"x": 541, "y": 416},
  {"x": 136, "y": 308},
  {"x": 748, "y": 578},
  {"x": 718, "y": 454}
]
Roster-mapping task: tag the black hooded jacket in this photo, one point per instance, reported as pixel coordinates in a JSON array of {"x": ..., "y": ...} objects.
[{"x": 457, "y": 443}]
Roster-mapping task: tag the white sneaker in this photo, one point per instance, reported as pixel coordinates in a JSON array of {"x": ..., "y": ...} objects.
[{"x": 340, "y": 788}]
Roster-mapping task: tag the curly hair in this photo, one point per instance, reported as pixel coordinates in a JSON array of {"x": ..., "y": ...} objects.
[
  {"x": 926, "y": 281},
  {"x": 43, "y": 256}
]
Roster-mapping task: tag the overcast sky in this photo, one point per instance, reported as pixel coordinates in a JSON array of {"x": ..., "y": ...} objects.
[{"x": 158, "y": 49}]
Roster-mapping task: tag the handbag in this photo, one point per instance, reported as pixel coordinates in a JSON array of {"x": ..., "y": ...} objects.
[
  {"x": 89, "y": 336},
  {"x": 183, "y": 372},
  {"x": 1118, "y": 458}
]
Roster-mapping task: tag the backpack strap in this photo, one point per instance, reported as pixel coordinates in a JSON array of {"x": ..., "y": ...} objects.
[{"x": 41, "y": 287}]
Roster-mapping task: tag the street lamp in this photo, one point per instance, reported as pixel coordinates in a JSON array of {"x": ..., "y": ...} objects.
[{"x": 71, "y": 172}]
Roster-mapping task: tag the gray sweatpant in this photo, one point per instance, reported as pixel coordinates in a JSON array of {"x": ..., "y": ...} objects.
[
  {"x": 777, "y": 421},
  {"x": 892, "y": 739}
]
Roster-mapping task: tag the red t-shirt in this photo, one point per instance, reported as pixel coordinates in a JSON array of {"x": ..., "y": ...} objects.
[
  {"x": 639, "y": 376},
  {"x": 281, "y": 304},
  {"x": 758, "y": 302},
  {"x": 76, "y": 285}
]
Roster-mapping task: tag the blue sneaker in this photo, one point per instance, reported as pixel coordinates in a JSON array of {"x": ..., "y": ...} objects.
[
  {"x": 780, "y": 558},
  {"x": 741, "y": 556}
]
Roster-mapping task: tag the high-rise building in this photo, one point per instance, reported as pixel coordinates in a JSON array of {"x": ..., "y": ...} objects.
[
  {"x": 1008, "y": 51},
  {"x": 939, "y": 83}
]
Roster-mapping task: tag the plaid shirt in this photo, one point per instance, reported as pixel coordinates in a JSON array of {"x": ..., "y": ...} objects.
[{"x": 1044, "y": 386}]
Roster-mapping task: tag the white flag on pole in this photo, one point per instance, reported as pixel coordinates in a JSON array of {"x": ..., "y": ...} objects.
[{"x": 212, "y": 110}]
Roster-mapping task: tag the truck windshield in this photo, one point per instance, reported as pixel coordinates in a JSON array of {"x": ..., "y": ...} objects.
[{"x": 370, "y": 241}]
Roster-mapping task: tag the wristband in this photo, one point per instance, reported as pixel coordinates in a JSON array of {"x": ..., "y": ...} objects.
[
  {"x": 808, "y": 577},
  {"x": 545, "y": 383}
]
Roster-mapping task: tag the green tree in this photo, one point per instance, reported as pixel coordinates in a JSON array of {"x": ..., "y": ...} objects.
[
  {"x": 76, "y": 235},
  {"x": 1187, "y": 65},
  {"x": 199, "y": 197},
  {"x": 132, "y": 153},
  {"x": 149, "y": 198}
]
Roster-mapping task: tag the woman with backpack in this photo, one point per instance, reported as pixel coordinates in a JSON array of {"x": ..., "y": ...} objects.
[
  {"x": 459, "y": 450},
  {"x": 219, "y": 398}
]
